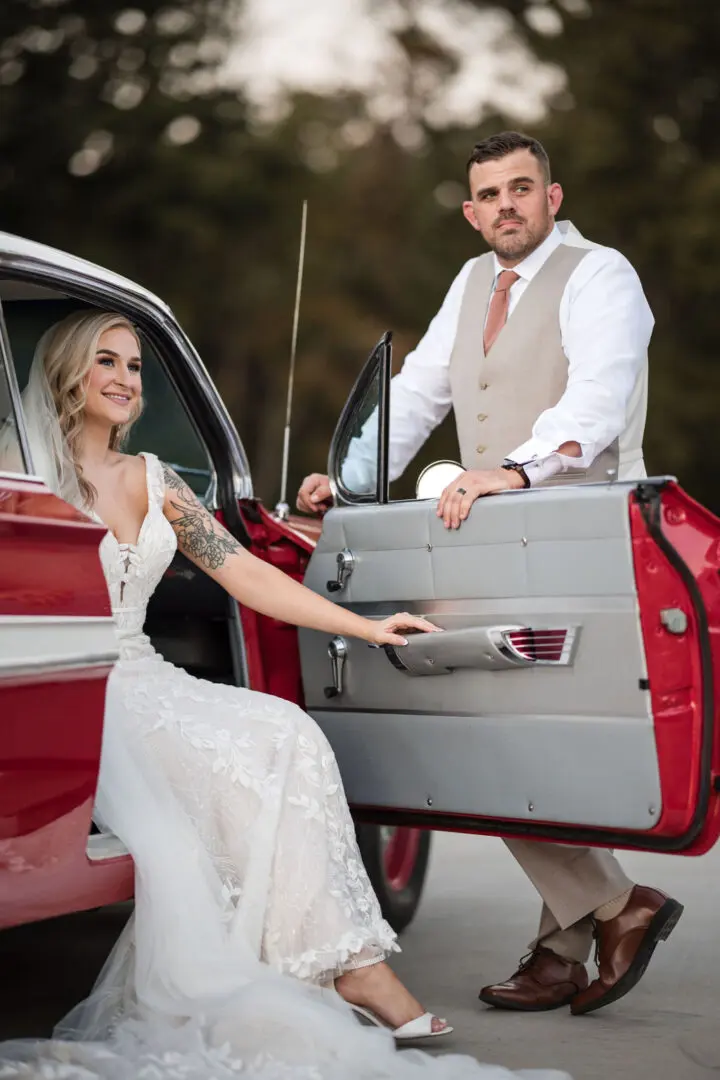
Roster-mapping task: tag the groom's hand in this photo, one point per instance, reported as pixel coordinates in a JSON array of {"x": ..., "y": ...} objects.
[
  {"x": 315, "y": 496},
  {"x": 458, "y": 497}
]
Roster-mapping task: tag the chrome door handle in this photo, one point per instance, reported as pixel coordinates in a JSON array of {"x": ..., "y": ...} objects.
[
  {"x": 345, "y": 566},
  {"x": 337, "y": 651}
]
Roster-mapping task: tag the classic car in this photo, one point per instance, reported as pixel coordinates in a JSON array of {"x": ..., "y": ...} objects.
[{"x": 570, "y": 697}]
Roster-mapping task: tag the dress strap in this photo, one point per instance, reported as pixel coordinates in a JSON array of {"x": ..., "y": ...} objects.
[{"x": 155, "y": 479}]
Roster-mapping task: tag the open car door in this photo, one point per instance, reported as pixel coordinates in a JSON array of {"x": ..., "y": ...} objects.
[{"x": 571, "y": 695}]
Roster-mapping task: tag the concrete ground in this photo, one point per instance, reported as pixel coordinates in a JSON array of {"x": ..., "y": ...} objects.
[{"x": 477, "y": 914}]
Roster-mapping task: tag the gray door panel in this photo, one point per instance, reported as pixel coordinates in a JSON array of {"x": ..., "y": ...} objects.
[
  {"x": 566, "y": 742},
  {"x": 525, "y": 768}
]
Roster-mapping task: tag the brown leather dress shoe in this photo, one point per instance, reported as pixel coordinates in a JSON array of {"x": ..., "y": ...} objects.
[
  {"x": 543, "y": 981},
  {"x": 625, "y": 946}
]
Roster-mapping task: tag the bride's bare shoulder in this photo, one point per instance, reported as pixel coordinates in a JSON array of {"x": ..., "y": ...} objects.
[
  {"x": 131, "y": 467},
  {"x": 128, "y": 461}
]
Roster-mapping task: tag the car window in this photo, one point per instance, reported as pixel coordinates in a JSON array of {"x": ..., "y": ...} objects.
[
  {"x": 11, "y": 454},
  {"x": 358, "y": 447},
  {"x": 164, "y": 428},
  {"x": 358, "y": 454}
]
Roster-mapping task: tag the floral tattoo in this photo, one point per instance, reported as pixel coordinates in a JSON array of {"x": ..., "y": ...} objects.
[{"x": 199, "y": 535}]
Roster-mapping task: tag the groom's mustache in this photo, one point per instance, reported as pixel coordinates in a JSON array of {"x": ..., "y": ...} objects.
[{"x": 508, "y": 217}]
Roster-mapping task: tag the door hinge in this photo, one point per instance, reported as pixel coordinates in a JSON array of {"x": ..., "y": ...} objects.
[{"x": 644, "y": 684}]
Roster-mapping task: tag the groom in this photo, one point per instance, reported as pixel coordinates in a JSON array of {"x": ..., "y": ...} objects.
[{"x": 578, "y": 353}]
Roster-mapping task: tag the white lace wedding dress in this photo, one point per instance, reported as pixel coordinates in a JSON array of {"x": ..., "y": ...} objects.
[{"x": 247, "y": 872}]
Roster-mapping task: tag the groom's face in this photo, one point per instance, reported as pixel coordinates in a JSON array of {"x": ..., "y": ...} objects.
[{"x": 512, "y": 204}]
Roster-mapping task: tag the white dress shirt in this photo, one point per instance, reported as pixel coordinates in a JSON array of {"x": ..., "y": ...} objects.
[{"x": 605, "y": 326}]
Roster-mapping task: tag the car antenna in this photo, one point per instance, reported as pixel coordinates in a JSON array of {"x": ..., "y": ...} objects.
[{"x": 282, "y": 510}]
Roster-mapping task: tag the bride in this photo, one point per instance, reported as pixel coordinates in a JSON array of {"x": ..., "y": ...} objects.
[{"x": 256, "y": 934}]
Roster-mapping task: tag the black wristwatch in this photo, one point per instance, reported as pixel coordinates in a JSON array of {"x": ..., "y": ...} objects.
[{"x": 514, "y": 467}]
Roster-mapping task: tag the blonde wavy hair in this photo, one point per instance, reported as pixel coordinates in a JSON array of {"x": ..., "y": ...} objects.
[{"x": 67, "y": 352}]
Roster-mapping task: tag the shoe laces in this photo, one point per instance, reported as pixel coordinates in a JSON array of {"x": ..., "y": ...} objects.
[
  {"x": 596, "y": 936},
  {"x": 526, "y": 961}
]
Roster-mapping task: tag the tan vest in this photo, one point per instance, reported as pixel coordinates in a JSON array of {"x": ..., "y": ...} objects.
[{"x": 498, "y": 397}]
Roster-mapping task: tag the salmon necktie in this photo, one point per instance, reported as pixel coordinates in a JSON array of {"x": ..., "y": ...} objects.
[{"x": 498, "y": 312}]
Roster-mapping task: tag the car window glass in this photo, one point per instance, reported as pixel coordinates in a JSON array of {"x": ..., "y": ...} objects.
[
  {"x": 164, "y": 428},
  {"x": 357, "y": 452},
  {"x": 11, "y": 455}
]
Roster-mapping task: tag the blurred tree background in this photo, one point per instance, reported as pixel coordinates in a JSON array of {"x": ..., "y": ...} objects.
[{"x": 122, "y": 141}]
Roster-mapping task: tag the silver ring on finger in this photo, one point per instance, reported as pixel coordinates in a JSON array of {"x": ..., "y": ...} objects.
[{"x": 461, "y": 491}]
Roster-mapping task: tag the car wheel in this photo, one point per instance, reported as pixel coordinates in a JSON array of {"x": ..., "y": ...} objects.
[{"x": 396, "y": 860}]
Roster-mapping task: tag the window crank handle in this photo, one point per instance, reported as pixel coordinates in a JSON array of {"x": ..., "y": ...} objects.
[{"x": 345, "y": 564}]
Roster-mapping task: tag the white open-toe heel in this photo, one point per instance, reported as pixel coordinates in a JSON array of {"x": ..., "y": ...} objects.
[{"x": 419, "y": 1028}]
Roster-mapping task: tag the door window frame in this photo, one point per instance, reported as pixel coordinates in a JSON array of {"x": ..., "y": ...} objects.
[{"x": 379, "y": 364}]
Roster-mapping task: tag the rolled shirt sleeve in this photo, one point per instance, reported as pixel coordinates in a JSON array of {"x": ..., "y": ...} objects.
[
  {"x": 420, "y": 397},
  {"x": 606, "y": 324}
]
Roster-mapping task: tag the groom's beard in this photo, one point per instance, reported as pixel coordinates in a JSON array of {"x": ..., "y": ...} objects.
[{"x": 518, "y": 243}]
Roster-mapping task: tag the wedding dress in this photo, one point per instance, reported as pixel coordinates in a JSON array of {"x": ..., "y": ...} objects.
[{"x": 251, "y": 895}]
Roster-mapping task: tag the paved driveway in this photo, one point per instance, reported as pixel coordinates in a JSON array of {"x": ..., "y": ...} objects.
[{"x": 476, "y": 917}]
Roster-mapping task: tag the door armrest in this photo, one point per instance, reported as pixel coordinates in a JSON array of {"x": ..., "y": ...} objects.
[{"x": 504, "y": 647}]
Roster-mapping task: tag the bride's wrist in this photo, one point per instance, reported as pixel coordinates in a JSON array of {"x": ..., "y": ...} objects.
[{"x": 368, "y": 631}]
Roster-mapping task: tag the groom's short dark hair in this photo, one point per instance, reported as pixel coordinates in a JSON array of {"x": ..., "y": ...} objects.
[{"x": 499, "y": 146}]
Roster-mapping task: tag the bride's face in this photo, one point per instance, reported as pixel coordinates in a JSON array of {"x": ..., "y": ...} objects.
[{"x": 114, "y": 385}]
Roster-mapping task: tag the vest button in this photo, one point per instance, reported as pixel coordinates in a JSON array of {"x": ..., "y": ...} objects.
[
  {"x": 483, "y": 386},
  {"x": 480, "y": 449},
  {"x": 482, "y": 416}
]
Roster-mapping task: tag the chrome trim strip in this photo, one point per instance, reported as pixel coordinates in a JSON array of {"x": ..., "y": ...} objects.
[
  {"x": 42, "y": 643},
  {"x": 101, "y": 847},
  {"x": 30, "y": 477},
  {"x": 55, "y": 620},
  {"x": 55, "y": 665}
]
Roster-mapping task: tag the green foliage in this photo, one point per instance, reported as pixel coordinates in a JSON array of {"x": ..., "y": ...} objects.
[{"x": 117, "y": 142}]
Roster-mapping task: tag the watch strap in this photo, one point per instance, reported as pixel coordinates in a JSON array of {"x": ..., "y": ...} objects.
[{"x": 513, "y": 466}]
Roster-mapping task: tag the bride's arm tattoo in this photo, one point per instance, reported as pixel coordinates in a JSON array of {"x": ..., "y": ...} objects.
[{"x": 199, "y": 535}]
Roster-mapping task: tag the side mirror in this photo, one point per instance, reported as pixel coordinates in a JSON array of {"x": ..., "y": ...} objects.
[{"x": 434, "y": 478}]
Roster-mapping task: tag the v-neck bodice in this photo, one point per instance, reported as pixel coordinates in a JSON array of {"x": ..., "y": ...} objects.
[{"x": 133, "y": 571}]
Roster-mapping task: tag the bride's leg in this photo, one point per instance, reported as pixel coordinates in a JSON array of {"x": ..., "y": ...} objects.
[{"x": 377, "y": 987}]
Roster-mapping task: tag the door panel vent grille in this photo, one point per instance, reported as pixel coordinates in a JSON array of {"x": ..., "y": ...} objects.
[{"x": 543, "y": 645}]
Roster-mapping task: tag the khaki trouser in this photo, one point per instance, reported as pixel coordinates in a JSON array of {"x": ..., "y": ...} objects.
[{"x": 573, "y": 882}]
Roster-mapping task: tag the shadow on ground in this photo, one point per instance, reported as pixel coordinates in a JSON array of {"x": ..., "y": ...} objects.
[{"x": 49, "y": 966}]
